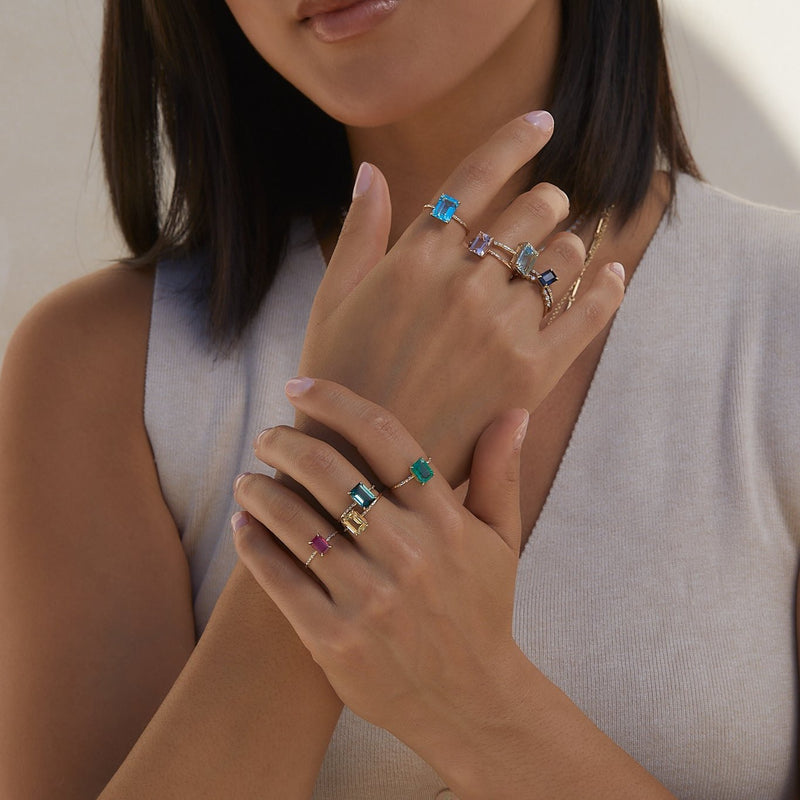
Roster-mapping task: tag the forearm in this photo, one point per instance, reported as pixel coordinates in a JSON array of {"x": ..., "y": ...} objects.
[
  {"x": 523, "y": 739},
  {"x": 250, "y": 715}
]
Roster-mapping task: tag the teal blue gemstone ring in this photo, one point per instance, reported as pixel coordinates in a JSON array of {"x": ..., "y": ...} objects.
[{"x": 420, "y": 471}]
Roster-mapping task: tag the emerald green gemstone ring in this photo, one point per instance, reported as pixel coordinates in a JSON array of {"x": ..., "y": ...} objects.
[{"x": 420, "y": 471}]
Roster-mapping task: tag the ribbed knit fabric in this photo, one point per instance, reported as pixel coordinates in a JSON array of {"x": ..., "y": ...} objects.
[{"x": 657, "y": 588}]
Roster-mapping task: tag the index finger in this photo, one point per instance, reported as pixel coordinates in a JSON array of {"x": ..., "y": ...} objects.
[{"x": 484, "y": 172}]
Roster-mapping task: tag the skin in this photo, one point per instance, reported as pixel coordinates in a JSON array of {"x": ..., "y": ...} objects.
[
  {"x": 115, "y": 694},
  {"x": 400, "y": 596}
]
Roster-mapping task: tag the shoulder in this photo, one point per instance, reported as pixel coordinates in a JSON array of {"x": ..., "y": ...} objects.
[
  {"x": 83, "y": 348},
  {"x": 724, "y": 227}
]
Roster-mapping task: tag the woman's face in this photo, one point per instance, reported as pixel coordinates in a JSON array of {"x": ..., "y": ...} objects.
[{"x": 374, "y": 62}]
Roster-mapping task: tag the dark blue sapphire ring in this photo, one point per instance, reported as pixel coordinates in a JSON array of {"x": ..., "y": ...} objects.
[
  {"x": 444, "y": 209},
  {"x": 521, "y": 263}
]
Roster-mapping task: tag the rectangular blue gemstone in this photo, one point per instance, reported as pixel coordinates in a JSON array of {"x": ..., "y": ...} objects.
[
  {"x": 548, "y": 278},
  {"x": 422, "y": 470},
  {"x": 445, "y": 208},
  {"x": 525, "y": 259},
  {"x": 362, "y": 495},
  {"x": 480, "y": 244}
]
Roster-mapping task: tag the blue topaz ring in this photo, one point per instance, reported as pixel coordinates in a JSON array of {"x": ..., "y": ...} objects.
[
  {"x": 420, "y": 471},
  {"x": 354, "y": 517},
  {"x": 444, "y": 209}
]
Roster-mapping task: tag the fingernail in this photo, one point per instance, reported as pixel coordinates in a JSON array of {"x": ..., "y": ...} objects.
[
  {"x": 260, "y": 434},
  {"x": 239, "y": 520},
  {"x": 519, "y": 433},
  {"x": 363, "y": 180},
  {"x": 298, "y": 386},
  {"x": 618, "y": 269},
  {"x": 239, "y": 478},
  {"x": 541, "y": 119}
]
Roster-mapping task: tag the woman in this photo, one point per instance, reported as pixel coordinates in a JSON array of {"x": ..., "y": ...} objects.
[{"x": 652, "y": 613}]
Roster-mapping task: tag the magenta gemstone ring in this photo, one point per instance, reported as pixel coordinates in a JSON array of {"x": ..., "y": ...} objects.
[{"x": 320, "y": 546}]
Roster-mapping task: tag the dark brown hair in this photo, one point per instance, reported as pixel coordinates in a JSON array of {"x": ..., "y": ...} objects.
[{"x": 179, "y": 80}]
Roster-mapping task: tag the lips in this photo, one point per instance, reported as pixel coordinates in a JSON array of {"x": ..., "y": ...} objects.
[
  {"x": 310, "y": 8},
  {"x": 332, "y": 21}
]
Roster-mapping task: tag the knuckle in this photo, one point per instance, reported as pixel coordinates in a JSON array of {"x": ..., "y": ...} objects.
[
  {"x": 449, "y": 523},
  {"x": 523, "y": 135},
  {"x": 316, "y": 459},
  {"x": 286, "y": 513},
  {"x": 382, "y": 423},
  {"x": 568, "y": 249},
  {"x": 478, "y": 172},
  {"x": 557, "y": 198},
  {"x": 410, "y": 563},
  {"x": 468, "y": 293},
  {"x": 380, "y": 605},
  {"x": 340, "y": 644},
  {"x": 594, "y": 313},
  {"x": 538, "y": 206}
]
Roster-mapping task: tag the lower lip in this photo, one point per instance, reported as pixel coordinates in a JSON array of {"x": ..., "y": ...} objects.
[{"x": 361, "y": 17}]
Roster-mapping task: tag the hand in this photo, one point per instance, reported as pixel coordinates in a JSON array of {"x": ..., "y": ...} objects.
[
  {"x": 441, "y": 338},
  {"x": 411, "y": 616}
]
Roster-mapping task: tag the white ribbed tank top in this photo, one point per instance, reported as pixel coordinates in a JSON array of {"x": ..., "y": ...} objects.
[{"x": 657, "y": 588}]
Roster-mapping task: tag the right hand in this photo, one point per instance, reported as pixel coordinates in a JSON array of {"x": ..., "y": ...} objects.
[{"x": 443, "y": 339}]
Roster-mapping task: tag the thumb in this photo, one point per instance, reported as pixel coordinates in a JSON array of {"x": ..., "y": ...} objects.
[
  {"x": 493, "y": 494},
  {"x": 362, "y": 242}
]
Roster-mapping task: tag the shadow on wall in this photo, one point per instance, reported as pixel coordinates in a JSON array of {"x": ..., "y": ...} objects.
[{"x": 734, "y": 142}]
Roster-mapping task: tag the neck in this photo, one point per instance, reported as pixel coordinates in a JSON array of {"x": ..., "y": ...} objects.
[{"x": 416, "y": 154}]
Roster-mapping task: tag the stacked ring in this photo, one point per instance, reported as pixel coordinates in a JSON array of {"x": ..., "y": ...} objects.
[
  {"x": 320, "y": 546},
  {"x": 420, "y": 471},
  {"x": 445, "y": 211},
  {"x": 354, "y": 517},
  {"x": 522, "y": 261}
]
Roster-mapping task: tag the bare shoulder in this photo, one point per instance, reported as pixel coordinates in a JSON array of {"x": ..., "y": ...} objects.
[
  {"x": 89, "y": 336},
  {"x": 94, "y": 583}
]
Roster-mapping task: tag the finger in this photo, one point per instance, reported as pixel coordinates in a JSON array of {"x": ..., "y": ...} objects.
[
  {"x": 362, "y": 242},
  {"x": 572, "y": 330},
  {"x": 493, "y": 494},
  {"x": 483, "y": 173},
  {"x": 530, "y": 218},
  {"x": 319, "y": 467},
  {"x": 297, "y": 525},
  {"x": 300, "y": 599},
  {"x": 380, "y": 438}
]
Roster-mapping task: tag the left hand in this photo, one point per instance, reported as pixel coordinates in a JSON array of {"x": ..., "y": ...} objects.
[{"x": 411, "y": 620}]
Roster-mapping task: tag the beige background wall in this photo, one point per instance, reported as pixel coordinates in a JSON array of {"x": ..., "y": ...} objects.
[{"x": 737, "y": 73}]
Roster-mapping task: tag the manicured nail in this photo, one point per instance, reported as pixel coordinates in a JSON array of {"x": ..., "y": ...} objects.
[
  {"x": 519, "y": 433},
  {"x": 298, "y": 386},
  {"x": 618, "y": 269},
  {"x": 239, "y": 520},
  {"x": 363, "y": 180},
  {"x": 239, "y": 478},
  {"x": 541, "y": 119}
]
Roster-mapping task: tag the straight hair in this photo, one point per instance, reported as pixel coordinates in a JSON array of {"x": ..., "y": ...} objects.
[{"x": 209, "y": 151}]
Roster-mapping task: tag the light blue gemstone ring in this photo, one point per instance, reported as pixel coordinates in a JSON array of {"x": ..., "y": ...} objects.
[
  {"x": 444, "y": 209},
  {"x": 521, "y": 263}
]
